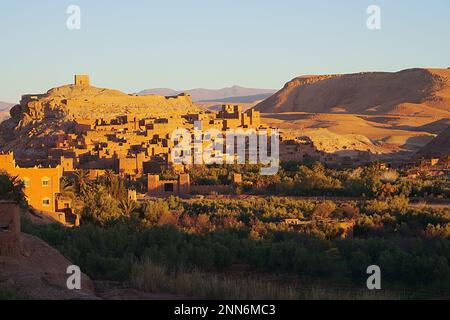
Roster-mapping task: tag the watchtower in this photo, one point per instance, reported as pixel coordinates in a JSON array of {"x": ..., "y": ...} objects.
[
  {"x": 82, "y": 80},
  {"x": 184, "y": 183}
]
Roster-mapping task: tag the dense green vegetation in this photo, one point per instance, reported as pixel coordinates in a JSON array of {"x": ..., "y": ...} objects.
[
  {"x": 412, "y": 246},
  {"x": 194, "y": 236},
  {"x": 313, "y": 179}
]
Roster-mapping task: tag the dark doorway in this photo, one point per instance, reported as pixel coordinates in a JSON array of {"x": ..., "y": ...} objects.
[{"x": 168, "y": 187}]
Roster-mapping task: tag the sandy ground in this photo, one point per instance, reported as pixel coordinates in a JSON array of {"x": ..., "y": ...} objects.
[{"x": 388, "y": 132}]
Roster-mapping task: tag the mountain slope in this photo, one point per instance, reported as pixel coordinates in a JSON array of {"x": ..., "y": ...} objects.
[
  {"x": 438, "y": 146},
  {"x": 4, "y": 110},
  {"x": 214, "y": 94},
  {"x": 5, "y": 106},
  {"x": 408, "y": 92},
  {"x": 242, "y": 99}
]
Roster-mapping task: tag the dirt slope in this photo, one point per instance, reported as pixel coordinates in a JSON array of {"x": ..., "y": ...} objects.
[{"x": 40, "y": 273}]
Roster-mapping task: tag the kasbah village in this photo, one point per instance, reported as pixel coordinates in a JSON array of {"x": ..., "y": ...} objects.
[{"x": 131, "y": 143}]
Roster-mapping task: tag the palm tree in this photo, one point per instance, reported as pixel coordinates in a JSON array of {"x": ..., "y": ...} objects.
[
  {"x": 109, "y": 176},
  {"x": 82, "y": 181},
  {"x": 67, "y": 189},
  {"x": 117, "y": 188},
  {"x": 11, "y": 189},
  {"x": 128, "y": 207}
]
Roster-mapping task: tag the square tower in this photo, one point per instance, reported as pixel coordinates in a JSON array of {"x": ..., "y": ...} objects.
[
  {"x": 184, "y": 183},
  {"x": 81, "y": 80}
]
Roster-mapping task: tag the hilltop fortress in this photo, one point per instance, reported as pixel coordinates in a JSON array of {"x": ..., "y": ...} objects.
[
  {"x": 100, "y": 129},
  {"x": 79, "y": 126},
  {"x": 39, "y": 116},
  {"x": 81, "y": 101}
]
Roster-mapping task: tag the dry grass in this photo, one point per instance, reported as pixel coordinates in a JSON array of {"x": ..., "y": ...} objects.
[
  {"x": 200, "y": 285},
  {"x": 149, "y": 277}
]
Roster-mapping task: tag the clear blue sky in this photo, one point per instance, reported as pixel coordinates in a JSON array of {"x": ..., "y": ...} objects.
[{"x": 133, "y": 45}]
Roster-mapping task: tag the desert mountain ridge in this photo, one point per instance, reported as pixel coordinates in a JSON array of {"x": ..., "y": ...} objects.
[
  {"x": 408, "y": 92},
  {"x": 4, "y": 110},
  {"x": 235, "y": 94},
  {"x": 5, "y": 106}
]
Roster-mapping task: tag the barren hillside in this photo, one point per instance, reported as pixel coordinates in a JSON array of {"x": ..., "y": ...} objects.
[{"x": 408, "y": 92}]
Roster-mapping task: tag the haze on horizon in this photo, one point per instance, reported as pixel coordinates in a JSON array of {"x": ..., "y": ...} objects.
[{"x": 178, "y": 44}]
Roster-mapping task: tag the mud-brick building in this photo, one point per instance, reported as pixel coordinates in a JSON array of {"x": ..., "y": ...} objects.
[
  {"x": 42, "y": 185},
  {"x": 161, "y": 188},
  {"x": 182, "y": 186}
]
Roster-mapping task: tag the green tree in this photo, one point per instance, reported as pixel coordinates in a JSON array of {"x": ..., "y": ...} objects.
[
  {"x": 128, "y": 207},
  {"x": 67, "y": 189},
  {"x": 100, "y": 207},
  {"x": 82, "y": 182},
  {"x": 11, "y": 189}
]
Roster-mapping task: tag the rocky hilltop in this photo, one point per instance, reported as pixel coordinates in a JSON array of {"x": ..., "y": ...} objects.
[
  {"x": 37, "y": 115},
  {"x": 85, "y": 102},
  {"x": 408, "y": 92}
]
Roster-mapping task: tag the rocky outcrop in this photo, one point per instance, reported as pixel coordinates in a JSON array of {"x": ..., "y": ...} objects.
[
  {"x": 38, "y": 117},
  {"x": 439, "y": 146},
  {"x": 73, "y": 102}
]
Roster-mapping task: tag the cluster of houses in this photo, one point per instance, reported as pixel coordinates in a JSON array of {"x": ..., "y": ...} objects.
[
  {"x": 131, "y": 147},
  {"x": 134, "y": 147}
]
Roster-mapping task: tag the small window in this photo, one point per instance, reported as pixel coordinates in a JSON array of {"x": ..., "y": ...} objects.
[
  {"x": 45, "y": 182},
  {"x": 46, "y": 202},
  {"x": 26, "y": 182}
]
